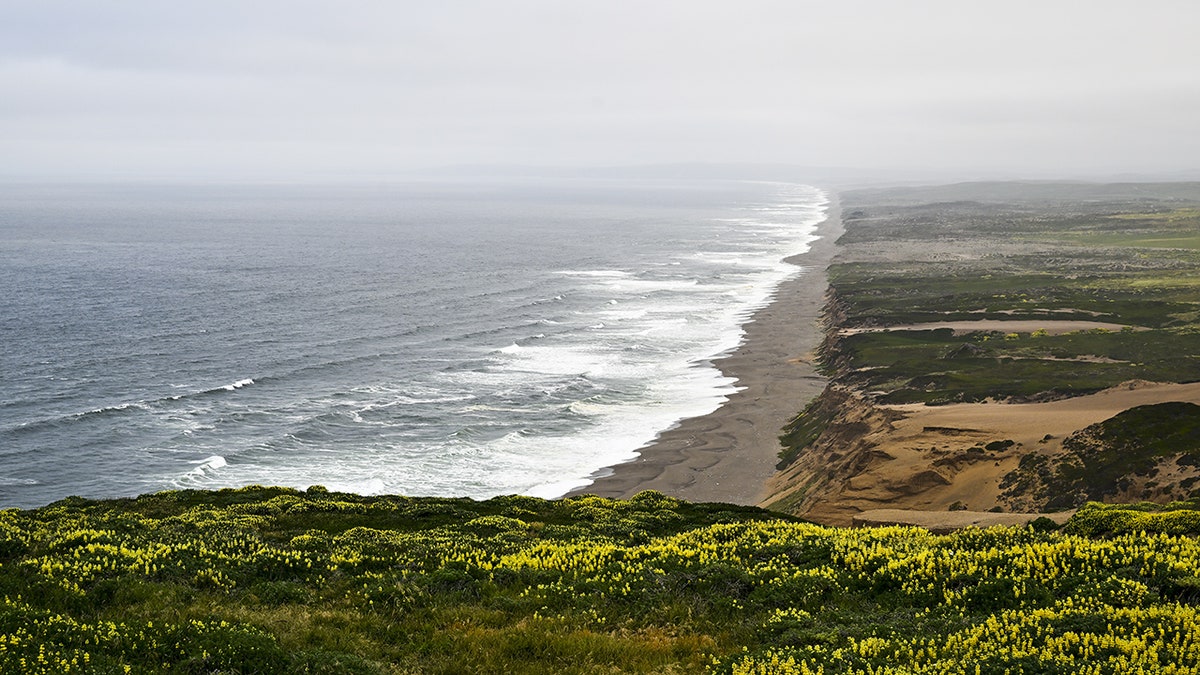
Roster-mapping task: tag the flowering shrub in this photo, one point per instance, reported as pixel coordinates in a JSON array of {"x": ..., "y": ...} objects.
[{"x": 271, "y": 580}]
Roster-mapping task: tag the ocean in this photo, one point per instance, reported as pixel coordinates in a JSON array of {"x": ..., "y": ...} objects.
[{"x": 457, "y": 338}]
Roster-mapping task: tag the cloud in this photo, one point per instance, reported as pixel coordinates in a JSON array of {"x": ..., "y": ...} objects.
[{"x": 290, "y": 88}]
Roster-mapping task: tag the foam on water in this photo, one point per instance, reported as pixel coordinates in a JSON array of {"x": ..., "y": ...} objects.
[
  {"x": 623, "y": 393},
  {"x": 489, "y": 376},
  {"x": 594, "y": 273}
]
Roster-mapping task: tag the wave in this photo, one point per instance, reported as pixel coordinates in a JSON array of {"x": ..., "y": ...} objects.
[
  {"x": 120, "y": 407},
  {"x": 205, "y": 468},
  {"x": 232, "y": 386},
  {"x": 588, "y": 407},
  {"x": 129, "y": 407},
  {"x": 210, "y": 463},
  {"x": 595, "y": 273},
  {"x": 520, "y": 326},
  {"x": 386, "y": 395},
  {"x": 238, "y": 385},
  {"x": 411, "y": 400},
  {"x": 625, "y": 314},
  {"x": 644, "y": 287},
  {"x": 539, "y": 302},
  {"x": 528, "y": 289},
  {"x": 33, "y": 426},
  {"x": 369, "y": 486}
]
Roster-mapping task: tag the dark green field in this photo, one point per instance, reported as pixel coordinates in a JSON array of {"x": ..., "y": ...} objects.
[{"x": 1054, "y": 260}]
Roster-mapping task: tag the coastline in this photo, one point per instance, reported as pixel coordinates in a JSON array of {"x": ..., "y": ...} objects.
[{"x": 729, "y": 454}]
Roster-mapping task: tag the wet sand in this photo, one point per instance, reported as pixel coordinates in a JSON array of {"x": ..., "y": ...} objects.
[{"x": 728, "y": 455}]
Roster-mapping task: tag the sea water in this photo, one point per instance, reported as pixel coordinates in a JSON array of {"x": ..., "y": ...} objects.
[{"x": 465, "y": 338}]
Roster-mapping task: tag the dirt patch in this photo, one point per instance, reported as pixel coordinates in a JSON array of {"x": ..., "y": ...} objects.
[{"x": 931, "y": 458}]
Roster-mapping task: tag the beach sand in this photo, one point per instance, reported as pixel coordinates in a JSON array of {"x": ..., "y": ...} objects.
[{"x": 729, "y": 454}]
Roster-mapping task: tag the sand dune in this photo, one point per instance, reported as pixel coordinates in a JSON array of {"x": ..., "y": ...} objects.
[{"x": 930, "y": 458}]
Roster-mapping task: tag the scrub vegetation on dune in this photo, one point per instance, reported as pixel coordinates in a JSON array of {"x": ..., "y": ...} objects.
[
  {"x": 273, "y": 580},
  {"x": 1138, "y": 446}
]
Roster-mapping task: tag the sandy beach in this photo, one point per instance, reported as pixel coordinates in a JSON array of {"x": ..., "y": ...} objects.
[{"x": 729, "y": 454}]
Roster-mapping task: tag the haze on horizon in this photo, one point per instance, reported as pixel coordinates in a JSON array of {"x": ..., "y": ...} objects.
[{"x": 276, "y": 90}]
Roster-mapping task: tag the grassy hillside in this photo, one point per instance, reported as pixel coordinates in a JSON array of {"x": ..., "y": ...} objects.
[{"x": 271, "y": 580}]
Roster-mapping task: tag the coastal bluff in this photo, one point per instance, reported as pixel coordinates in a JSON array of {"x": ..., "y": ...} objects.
[{"x": 1012, "y": 348}]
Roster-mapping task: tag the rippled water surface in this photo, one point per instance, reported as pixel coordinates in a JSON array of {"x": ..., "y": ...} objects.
[{"x": 425, "y": 339}]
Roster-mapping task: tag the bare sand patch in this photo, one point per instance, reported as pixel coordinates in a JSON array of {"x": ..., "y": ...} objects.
[
  {"x": 930, "y": 458},
  {"x": 1029, "y": 422}
]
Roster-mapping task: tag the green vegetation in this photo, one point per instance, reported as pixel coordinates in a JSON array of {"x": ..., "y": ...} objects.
[
  {"x": 1176, "y": 518},
  {"x": 1021, "y": 288},
  {"x": 1105, "y": 459},
  {"x": 1029, "y": 253},
  {"x": 1176, "y": 228},
  {"x": 1149, "y": 430},
  {"x": 806, "y": 427},
  {"x": 936, "y": 366},
  {"x": 272, "y": 580}
]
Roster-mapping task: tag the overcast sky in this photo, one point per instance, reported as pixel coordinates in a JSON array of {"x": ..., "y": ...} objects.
[{"x": 281, "y": 89}]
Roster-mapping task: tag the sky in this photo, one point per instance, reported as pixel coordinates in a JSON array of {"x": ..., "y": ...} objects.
[{"x": 299, "y": 89}]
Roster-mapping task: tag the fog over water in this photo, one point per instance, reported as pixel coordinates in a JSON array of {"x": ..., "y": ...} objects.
[{"x": 275, "y": 90}]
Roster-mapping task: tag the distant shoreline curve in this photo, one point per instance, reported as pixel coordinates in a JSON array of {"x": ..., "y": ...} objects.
[{"x": 729, "y": 454}]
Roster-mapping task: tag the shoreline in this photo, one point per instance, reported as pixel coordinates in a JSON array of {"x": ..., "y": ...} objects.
[{"x": 729, "y": 454}]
